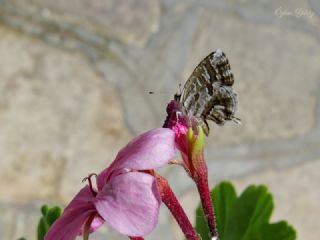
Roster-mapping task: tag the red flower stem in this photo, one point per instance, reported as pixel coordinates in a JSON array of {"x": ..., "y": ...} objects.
[
  {"x": 207, "y": 206},
  {"x": 170, "y": 200},
  {"x": 136, "y": 238}
]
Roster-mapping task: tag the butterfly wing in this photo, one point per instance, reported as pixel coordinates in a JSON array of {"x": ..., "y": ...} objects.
[{"x": 208, "y": 93}]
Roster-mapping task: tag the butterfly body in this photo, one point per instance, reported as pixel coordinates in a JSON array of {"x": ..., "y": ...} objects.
[{"x": 208, "y": 93}]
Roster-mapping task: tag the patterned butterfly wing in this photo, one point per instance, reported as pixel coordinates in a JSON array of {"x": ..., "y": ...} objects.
[{"x": 208, "y": 93}]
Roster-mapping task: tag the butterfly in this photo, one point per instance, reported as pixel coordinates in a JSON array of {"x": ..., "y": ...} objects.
[{"x": 208, "y": 93}]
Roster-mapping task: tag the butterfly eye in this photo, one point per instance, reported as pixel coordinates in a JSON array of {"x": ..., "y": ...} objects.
[{"x": 177, "y": 97}]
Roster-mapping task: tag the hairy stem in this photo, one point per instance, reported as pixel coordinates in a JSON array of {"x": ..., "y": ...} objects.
[
  {"x": 170, "y": 200},
  {"x": 207, "y": 206}
]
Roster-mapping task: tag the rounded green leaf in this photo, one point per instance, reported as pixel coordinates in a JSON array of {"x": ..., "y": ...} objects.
[
  {"x": 49, "y": 215},
  {"x": 245, "y": 217},
  {"x": 250, "y": 212},
  {"x": 223, "y": 198}
]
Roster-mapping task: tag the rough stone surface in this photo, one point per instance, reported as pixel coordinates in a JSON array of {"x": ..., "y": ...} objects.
[
  {"x": 272, "y": 104},
  {"x": 73, "y": 95},
  {"x": 302, "y": 15},
  {"x": 131, "y": 22},
  {"x": 7, "y": 221},
  {"x": 29, "y": 214},
  {"x": 57, "y": 123}
]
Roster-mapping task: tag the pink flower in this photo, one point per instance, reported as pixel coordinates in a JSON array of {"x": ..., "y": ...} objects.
[
  {"x": 126, "y": 198},
  {"x": 189, "y": 139}
]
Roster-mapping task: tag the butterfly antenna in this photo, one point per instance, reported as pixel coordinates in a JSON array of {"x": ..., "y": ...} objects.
[{"x": 154, "y": 92}]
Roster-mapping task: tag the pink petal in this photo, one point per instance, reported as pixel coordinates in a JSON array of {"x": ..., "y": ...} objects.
[
  {"x": 129, "y": 203},
  {"x": 150, "y": 150},
  {"x": 69, "y": 225},
  {"x": 106, "y": 174},
  {"x": 96, "y": 223}
]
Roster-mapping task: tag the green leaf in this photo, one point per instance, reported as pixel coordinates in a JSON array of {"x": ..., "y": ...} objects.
[
  {"x": 223, "y": 197},
  {"x": 49, "y": 215},
  {"x": 44, "y": 210},
  {"x": 42, "y": 228},
  {"x": 52, "y": 215},
  {"x": 280, "y": 230},
  {"x": 245, "y": 217},
  {"x": 249, "y": 213},
  {"x": 201, "y": 224}
]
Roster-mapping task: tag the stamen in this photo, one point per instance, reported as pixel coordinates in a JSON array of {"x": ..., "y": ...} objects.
[{"x": 93, "y": 191}]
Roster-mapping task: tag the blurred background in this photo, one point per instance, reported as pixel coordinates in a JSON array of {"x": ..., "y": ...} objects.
[{"x": 75, "y": 78}]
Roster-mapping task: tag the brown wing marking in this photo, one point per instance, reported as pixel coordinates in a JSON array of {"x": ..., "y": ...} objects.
[{"x": 208, "y": 93}]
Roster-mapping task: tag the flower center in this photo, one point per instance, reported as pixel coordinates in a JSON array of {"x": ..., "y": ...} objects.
[{"x": 93, "y": 191}]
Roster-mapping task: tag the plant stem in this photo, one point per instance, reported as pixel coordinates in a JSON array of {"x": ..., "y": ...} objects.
[
  {"x": 207, "y": 206},
  {"x": 170, "y": 200}
]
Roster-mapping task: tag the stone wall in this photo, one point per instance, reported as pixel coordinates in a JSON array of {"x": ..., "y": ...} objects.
[{"x": 75, "y": 78}]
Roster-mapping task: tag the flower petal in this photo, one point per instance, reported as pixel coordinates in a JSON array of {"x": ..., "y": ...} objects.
[
  {"x": 130, "y": 203},
  {"x": 106, "y": 174},
  {"x": 150, "y": 150},
  {"x": 69, "y": 225}
]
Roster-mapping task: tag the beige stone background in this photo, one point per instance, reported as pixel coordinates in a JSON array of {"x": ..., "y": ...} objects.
[{"x": 74, "y": 83}]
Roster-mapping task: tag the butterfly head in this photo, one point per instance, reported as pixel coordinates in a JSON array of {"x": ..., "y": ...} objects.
[
  {"x": 178, "y": 118},
  {"x": 177, "y": 97}
]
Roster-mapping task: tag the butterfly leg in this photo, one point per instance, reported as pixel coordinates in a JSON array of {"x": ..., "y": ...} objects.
[
  {"x": 205, "y": 127},
  {"x": 217, "y": 114}
]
